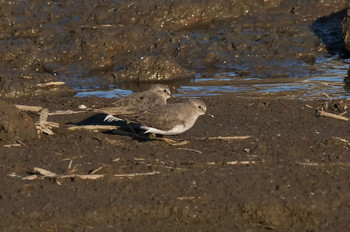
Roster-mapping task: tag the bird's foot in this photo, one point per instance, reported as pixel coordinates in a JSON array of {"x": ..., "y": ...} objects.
[{"x": 170, "y": 141}]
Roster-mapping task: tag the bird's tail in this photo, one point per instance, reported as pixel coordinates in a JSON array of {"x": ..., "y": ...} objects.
[{"x": 111, "y": 118}]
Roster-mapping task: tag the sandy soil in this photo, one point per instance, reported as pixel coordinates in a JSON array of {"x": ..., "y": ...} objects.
[{"x": 290, "y": 175}]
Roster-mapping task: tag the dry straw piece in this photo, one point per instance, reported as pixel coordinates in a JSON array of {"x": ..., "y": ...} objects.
[
  {"x": 228, "y": 138},
  {"x": 330, "y": 115},
  {"x": 52, "y": 83},
  {"x": 93, "y": 127}
]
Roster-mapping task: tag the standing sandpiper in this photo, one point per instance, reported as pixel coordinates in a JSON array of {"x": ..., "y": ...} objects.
[
  {"x": 169, "y": 119},
  {"x": 137, "y": 103}
]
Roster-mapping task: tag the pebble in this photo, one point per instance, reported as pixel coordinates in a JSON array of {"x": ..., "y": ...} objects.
[{"x": 82, "y": 107}]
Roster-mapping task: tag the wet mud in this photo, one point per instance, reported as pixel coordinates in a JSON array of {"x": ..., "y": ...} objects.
[
  {"x": 289, "y": 174},
  {"x": 66, "y": 40}
]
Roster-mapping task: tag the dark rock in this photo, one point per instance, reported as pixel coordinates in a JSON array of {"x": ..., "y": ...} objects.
[
  {"x": 346, "y": 30},
  {"x": 15, "y": 125},
  {"x": 154, "y": 68}
]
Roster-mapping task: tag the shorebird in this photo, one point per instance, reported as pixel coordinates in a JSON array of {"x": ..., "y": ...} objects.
[
  {"x": 137, "y": 103},
  {"x": 169, "y": 119}
]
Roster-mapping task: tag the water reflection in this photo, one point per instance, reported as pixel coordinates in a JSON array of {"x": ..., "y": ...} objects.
[{"x": 334, "y": 80}]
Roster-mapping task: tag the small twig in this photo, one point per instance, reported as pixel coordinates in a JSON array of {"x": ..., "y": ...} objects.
[
  {"x": 20, "y": 142},
  {"x": 236, "y": 162},
  {"x": 47, "y": 173},
  {"x": 190, "y": 149},
  {"x": 93, "y": 127},
  {"x": 345, "y": 164},
  {"x": 29, "y": 108},
  {"x": 96, "y": 26},
  {"x": 70, "y": 164},
  {"x": 52, "y": 83},
  {"x": 227, "y": 138},
  {"x": 329, "y": 97},
  {"x": 65, "y": 112},
  {"x": 330, "y": 115},
  {"x": 308, "y": 106},
  {"x": 342, "y": 140},
  {"x": 243, "y": 162},
  {"x": 96, "y": 170},
  {"x": 44, "y": 172},
  {"x": 12, "y": 145},
  {"x": 137, "y": 174},
  {"x": 186, "y": 198},
  {"x": 74, "y": 168},
  {"x": 31, "y": 177}
]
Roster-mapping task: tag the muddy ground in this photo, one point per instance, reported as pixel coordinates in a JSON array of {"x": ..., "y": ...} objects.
[
  {"x": 114, "y": 42},
  {"x": 292, "y": 173}
]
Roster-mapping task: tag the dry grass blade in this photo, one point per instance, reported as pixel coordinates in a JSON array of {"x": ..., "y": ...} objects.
[
  {"x": 186, "y": 198},
  {"x": 52, "y": 83},
  {"x": 47, "y": 173},
  {"x": 244, "y": 162},
  {"x": 12, "y": 145},
  {"x": 236, "y": 162},
  {"x": 308, "y": 106},
  {"x": 65, "y": 112},
  {"x": 31, "y": 177},
  {"x": 96, "y": 170},
  {"x": 190, "y": 149},
  {"x": 228, "y": 138},
  {"x": 137, "y": 174},
  {"x": 44, "y": 172},
  {"x": 93, "y": 127},
  {"x": 329, "y": 97},
  {"x": 84, "y": 176},
  {"x": 340, "y": 164}
]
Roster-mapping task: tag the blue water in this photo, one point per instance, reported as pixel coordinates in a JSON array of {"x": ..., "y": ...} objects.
[{"x": 330, "y": 79}]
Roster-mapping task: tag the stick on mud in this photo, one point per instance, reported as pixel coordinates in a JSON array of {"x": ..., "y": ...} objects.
[
  {"x": 330, "y": 115},
  {"x": 93, "y": 127}
]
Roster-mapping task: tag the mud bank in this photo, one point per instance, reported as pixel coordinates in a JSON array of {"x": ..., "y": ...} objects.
[
  {"x": 291, "y": 174},
  {"x": 62, "y": 40}
]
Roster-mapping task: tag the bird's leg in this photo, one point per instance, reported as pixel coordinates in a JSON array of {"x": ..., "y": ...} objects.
[
  {"x": 132, "y": 130},
  {"x": 169, "y": 141}
]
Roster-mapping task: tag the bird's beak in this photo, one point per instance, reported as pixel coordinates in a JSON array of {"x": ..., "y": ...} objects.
[{"x": 210, "y": 115}]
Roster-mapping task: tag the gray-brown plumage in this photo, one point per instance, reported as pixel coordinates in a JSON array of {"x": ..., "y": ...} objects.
[
  {"x": 138, "y": 102},
  {"x": 169, "y": 119}
]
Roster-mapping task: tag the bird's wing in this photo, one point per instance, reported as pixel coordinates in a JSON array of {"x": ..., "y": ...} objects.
[
  {"x": 134, "y": 104},
  {"x": 163, "y": 118}
]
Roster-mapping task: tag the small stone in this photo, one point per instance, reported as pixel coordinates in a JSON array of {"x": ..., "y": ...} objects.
[{"x": 82, "y": 107}]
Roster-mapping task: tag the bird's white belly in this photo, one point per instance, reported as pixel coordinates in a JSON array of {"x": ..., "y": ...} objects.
[{"x": 174, "y": 131}]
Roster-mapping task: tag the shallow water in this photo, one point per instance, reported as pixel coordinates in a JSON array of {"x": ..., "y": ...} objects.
[{"x": 329, "y": 78}]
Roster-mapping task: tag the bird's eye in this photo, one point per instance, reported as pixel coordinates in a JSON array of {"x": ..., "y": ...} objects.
[
  {"x": 199, "y": 107},
  {"x": 164, "y": 91}
]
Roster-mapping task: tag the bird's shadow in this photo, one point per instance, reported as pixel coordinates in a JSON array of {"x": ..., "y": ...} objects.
[{"x": 124, "y": 129}]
